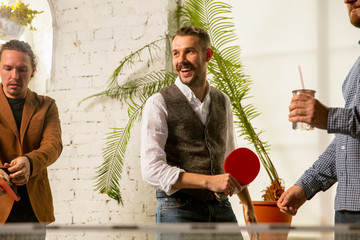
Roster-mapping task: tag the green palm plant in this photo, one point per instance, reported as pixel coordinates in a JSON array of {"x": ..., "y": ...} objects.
[{"x": 225, "y": 73}]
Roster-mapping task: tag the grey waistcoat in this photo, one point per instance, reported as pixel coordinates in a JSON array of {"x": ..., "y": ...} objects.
[{"x": 191, "y": 145}]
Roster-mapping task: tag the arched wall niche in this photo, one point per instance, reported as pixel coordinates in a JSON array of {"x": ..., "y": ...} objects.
[{"x": 41, "y": 42}]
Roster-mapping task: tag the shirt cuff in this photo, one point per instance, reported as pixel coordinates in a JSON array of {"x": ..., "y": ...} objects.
[
  {"x": 308, "y": 188},
  {"x": 31, "y": 163},
  {"x": 169, "y": 190},
  {"x": 337, "y": 119}
]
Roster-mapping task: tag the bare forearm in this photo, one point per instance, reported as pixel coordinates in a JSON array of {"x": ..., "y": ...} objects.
[
  {"x": 191, "y": 180},
  {"x": 224, "y": 183}
]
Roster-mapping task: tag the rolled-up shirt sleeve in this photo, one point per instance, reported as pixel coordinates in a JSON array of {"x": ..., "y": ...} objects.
[
  {"x": 230, "y": 140},
  {"x": 154, "y": 132}
]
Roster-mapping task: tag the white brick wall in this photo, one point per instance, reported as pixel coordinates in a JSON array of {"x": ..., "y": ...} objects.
[{"x": 90, "y": 37}]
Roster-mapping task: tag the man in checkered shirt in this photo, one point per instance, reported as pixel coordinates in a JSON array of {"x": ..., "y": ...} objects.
[{"x": 341, "y": 160}]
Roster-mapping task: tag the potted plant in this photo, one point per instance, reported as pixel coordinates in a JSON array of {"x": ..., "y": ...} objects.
[
  {"x": 225, "y": 73},
  {"x": 15, "y": 17}
]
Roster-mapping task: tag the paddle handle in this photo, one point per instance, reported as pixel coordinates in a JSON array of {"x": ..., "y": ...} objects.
[{"x": 221, "y": 195}]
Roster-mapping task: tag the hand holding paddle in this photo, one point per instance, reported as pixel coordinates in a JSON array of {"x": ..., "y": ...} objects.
[
  {"x": 6, "y": 186},
  {"x": 243, "y": 165},
  {"x": 19, "y": 170}
]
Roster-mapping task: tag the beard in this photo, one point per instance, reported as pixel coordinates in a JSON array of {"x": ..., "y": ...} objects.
[
  {"x": 196, "y": 80},
  {"x": 192, "y": 83},
  {"x": 354, "y": 15},
  {"x": 355, "y": 22}
]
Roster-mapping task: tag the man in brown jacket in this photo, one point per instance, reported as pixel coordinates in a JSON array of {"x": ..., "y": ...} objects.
[{"x": 30, "y": 138}]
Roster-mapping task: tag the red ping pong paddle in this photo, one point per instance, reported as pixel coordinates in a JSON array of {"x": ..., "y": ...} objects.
[
  {"x": 9, "y": 188},
  {"x": 243, "y": 164}
]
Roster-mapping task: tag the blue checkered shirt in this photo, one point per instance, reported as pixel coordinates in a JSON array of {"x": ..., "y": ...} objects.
[{"x": 341, "y": 160}]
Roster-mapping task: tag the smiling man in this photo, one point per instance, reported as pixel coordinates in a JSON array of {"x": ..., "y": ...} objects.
[
  {"x": 187, "y": 132},
  {"x": 30, "y": 137}
]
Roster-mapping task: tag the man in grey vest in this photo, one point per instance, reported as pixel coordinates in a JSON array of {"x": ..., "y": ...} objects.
[{"x": 187, "y": 132}]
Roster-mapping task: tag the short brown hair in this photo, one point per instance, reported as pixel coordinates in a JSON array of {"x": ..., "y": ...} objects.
[
  {"x": 204, "y": 38},
  {"x": 19, "y": 46}
]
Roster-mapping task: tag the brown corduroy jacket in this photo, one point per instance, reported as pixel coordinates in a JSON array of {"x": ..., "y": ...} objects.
[{"x": 39, "y": 139}]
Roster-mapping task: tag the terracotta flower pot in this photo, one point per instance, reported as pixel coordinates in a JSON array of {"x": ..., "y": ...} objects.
[{"x": 267, "y": 212}]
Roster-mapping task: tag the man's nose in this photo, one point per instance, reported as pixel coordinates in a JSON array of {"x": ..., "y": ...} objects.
[
  {"x": 182, "y": 57},
  {"x": 14, "y": 74}
]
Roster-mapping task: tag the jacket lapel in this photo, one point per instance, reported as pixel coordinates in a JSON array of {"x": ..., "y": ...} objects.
[
  {"x": 28, "y": 112},
  {"x": 6, "y": 113}
]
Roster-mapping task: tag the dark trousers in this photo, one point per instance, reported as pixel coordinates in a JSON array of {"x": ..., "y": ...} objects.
[{"x": 348, "y": 217}]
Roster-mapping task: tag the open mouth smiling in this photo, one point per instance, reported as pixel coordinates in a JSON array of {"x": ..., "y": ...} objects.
[{"x": 184, "y": 68}]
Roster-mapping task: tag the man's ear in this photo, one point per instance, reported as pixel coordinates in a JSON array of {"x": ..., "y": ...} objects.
[
  {"x": 209, "y": 54},
  {"x": 33, "y": 72}
]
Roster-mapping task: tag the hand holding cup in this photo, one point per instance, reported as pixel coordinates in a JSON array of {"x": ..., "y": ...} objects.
[
  {"x": 302, "y": 125},
  {"x": 305, "y": 108}
]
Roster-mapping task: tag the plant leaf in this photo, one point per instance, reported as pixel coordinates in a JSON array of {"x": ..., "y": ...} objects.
[{"x": 109, "y": 173}]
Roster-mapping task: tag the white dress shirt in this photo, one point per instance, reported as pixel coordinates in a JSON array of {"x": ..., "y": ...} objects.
[{"x": 154, "y": 133}]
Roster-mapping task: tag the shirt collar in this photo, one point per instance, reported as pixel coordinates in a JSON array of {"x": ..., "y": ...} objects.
[{"x": 189, "y": 94}]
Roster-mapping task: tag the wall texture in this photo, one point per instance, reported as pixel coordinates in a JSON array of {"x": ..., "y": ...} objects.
[{"x": 90, "y": 38}]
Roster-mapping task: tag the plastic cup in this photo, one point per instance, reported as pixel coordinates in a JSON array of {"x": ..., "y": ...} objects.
[{"x": 301, "y": 125}]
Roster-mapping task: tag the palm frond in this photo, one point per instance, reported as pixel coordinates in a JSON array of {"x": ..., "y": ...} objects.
[
  {"x": 114, "y": 90},
  {"x": 150, "y": 51},
  {"x": 109, "y": 173},
  {"x": 211, "y": 16},
  {"x": 146, "y": 86}
]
